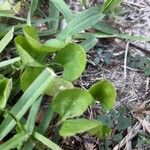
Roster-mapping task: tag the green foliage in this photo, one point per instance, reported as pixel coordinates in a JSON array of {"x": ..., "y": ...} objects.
[
  {"x": 38, "y": 74},
  {"x": 71, "y": 102},
  {"x": 94, "y": 127},
  {"x": 104, "y": 92},
  {"x": 6, "y": 39},
  {"x": 5, "y": 89},
  {"x": 14, "y": 142},
  {"x": 73, "y": 59},
  {"x": 110, "y": 5}
]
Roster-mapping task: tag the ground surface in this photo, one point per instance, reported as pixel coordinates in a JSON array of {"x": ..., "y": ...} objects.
[{"x": 131, "y": 83}]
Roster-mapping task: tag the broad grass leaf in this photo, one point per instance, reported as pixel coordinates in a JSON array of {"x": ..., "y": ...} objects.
[
  {"x": 89, "y": 42},
  {"x": 104, "y": 92},
  {"x": 5, "y": 89},
  {"x": 29, "y": 75},
  {"x": 71, "y": 102},
  {"x": 82, "y": 21},
  {"x": 35, "y": 90},
  {"x": 6, "y": 39},
  {"x": 57, "y": 84},
  {"x": 32, "y": 37},
  {"x": 46, "y": 141},
  {"x": 28, "y": 56},
  {"x": 64, "y": 9},
  {"x": 9, "y": 62},
  {"x": 94, "y": 127},
  {"x": 73, "y": 59},
  {"x": 14, "y": 142}
]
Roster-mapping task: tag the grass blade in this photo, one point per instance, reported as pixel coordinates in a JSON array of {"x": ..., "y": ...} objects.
[
  {"x": 6, "y": 39},
  {"x": 47, "y": 119},
  {"x": 27, "y": 99},
  {"x": 46, "y": 141},
  {"x": 53, "y": 13},
  {"x": 83, "y": 21},
  {"x": 89, "y": 42},
  {"x": 14, "y": 141},
  {"x": 32, "y": 116},
  {"x": 34, "y": 4},
  {"x": 9, "y": 62},
  {"x": 64, "y": 9}
]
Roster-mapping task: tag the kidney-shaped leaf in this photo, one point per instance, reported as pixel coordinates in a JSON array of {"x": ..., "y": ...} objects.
[
  {"x": 73, "y": 59},
  {"x": 72, "y": 127},
  {"x": 5, "y": 89},
  {"x": 71, "y": 102},
  {"x": 104, "y": 92},
  {"x": 57, "y": 84},
  {"x": 28, "y": 56},
  {"x": 32, "y": 37}
]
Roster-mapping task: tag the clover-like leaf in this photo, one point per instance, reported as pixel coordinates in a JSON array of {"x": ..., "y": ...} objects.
[
  {"x": 94, "y": 127},
  {"x": 55, "y": 44},
  {"x": 5, "y": 89},
  {"x": 57, "y": 84},
  {"x": 71, "y": 102},
  {"x": 29, "y": 75},
  {"x": 104, "y": 92},
  {"x": 28, "y": 56},
  {"x": 73, "y": 59},
  {"x": 32, "y": 37}
]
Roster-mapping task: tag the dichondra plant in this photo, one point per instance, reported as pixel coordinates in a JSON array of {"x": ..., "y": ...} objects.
[{"x": 38, "y": 76}]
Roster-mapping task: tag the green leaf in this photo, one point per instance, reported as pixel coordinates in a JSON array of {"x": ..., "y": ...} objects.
[
  {"x": 104, "y": 92},
  {"x": 53, "y": 13},
  {"x": 9, "y": 62},
  {"x": 71, "y": 102},
  {"x": 57, "y": 84},
  {"x": 28, "y": 56},
  {"x": 5, "y": 89},
  {"x": 29, "y": 75},
  {"x": 14, "y": 142},
  {"x": 82, "y": 21},
  {"x": 55, "y": 43},
  {"x": 6, "y": 39},
  {"x": 64, "y": 9},
  {"x": 72, "y": 127},
  {"x": 89, "y": 42},
  {"x": 10, "y": 14},
  {"x": 46, "y": 121},
  {"x": 30, "y": 124},
  {"x": 26, "y": 100},
  {"x": 73, "y": 59},
  {"x": 7, "y": 13},
  {"x": 46, "y": 141},
  {"x": 32, "y": 37},
  {"x": 123, "y": 123},
  {"x": 34, "y": 4}
]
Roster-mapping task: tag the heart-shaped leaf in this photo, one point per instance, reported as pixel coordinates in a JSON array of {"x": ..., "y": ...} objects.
[
  {"x": 73, "y": 59},
  {"x": 32, "y": 37},
  {"x": 71, "y": 102},
  {"x": 104, "y": 92},
  {"x": 5, "y": 89},
  {"x": 72, "y": 127},
  {"x": 28, "y": 56},
  {"x": 57, "y": 84}
]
